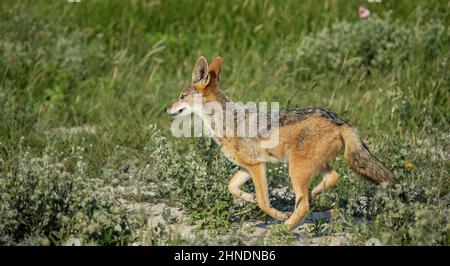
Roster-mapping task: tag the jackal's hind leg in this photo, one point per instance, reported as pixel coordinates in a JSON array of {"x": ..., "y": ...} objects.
[
  {"x": 330, "y": 177},
  {"x": 301, "y": 174},
  {"x": 236, "y": 182}
]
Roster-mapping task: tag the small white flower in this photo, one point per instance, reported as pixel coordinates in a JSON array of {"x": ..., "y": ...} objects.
[{"x": 118, "y": 228}]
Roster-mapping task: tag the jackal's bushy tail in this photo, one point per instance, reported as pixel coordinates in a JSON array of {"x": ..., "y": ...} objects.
[{"x": 361, "y": 160}]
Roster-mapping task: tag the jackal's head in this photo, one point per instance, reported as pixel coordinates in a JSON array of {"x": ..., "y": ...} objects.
[{"x": 203, "y": 85}]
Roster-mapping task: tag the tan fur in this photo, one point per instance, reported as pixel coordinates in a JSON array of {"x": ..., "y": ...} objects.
[{"x": 309, "y": 140}]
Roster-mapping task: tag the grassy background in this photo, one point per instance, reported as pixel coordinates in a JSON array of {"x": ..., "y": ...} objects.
[{"x": 115, "y": 65}]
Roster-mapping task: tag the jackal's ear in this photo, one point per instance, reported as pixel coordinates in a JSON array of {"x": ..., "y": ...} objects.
[
  {"x": 200, "y": 70},
  {"x": 215, "y": 67}
]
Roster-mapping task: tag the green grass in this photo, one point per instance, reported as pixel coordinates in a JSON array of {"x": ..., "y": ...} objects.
[{"x": 115, "y": 65}]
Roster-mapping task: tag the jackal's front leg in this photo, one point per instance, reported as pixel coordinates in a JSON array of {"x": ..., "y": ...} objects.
[
  {"x": 236, "y": 182},
  {"x": 258, "y": 173}
]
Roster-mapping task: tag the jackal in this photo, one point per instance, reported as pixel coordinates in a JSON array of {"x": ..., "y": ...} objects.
[{"x": 309, "y": 139}]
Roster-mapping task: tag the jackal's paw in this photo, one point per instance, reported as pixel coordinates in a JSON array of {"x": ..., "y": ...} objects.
[
  {"x": 285, "y": 215},
  {"x": 250, "y": 197},
  {"x": 291, "y": 226}
]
